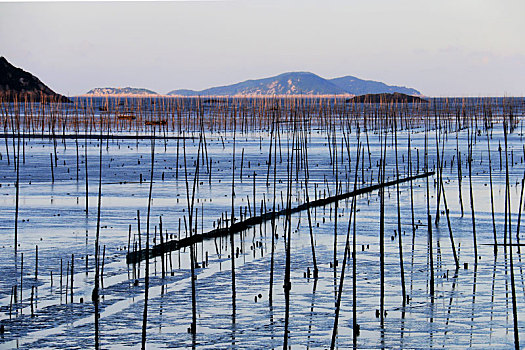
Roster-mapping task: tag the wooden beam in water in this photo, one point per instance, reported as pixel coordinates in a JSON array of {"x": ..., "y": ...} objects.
[
  {"x": 159, "y": 249},
  {"x": 90, "y": 136}
]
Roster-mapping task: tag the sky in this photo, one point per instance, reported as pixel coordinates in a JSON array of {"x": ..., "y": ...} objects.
[{"x": 441, "y": 48}]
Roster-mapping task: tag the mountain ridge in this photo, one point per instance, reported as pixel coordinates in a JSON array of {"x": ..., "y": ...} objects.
[
  {"x": 286, "y": 84},
  {"x": 363, "y": 87},
  {"x": 298, "y": 83},
  {"x": 289, "y": 83}
]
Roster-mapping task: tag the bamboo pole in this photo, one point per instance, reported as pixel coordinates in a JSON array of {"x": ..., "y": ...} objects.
[
  {"x": 512, "y": 283},
  {"x": 95, "y": 295},
  {"x": 345, "y": 257},
  {"x": 146, "y": 277},
  {"x": 399, "y": 232}
]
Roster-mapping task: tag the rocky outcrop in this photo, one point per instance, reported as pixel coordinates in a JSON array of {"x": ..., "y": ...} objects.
[{"x": 387, "y": 98}]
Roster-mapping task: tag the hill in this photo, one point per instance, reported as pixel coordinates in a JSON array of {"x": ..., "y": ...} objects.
[
  {"x": 16, "y": 83},
  {"x": 126, "y": 91},
  {"x": 396, "y": 97},
  {"x": 293, "y": 83},
  {"x": 296, "y": 84}
]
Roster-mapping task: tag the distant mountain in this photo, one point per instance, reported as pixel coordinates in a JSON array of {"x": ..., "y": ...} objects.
[
  {"x": 126, "y": 91},
  {"x": 298, "y": 83},
  {"x": 294, "y": 83},
  {"x": 16, "y": 83},
  {"x": 358, "y": 86},
  {"x": 396, "y": 97},
  {"x": 185, "y": 92}
]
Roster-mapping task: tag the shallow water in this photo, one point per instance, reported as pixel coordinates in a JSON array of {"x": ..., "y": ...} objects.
[{"x": 470, "y": 308}]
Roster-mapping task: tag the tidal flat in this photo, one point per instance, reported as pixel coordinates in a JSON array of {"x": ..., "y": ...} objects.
[{"x": 428, "y": 258}]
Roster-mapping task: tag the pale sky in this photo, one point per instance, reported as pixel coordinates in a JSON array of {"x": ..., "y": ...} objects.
[{"x": 441, "y": 48}]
